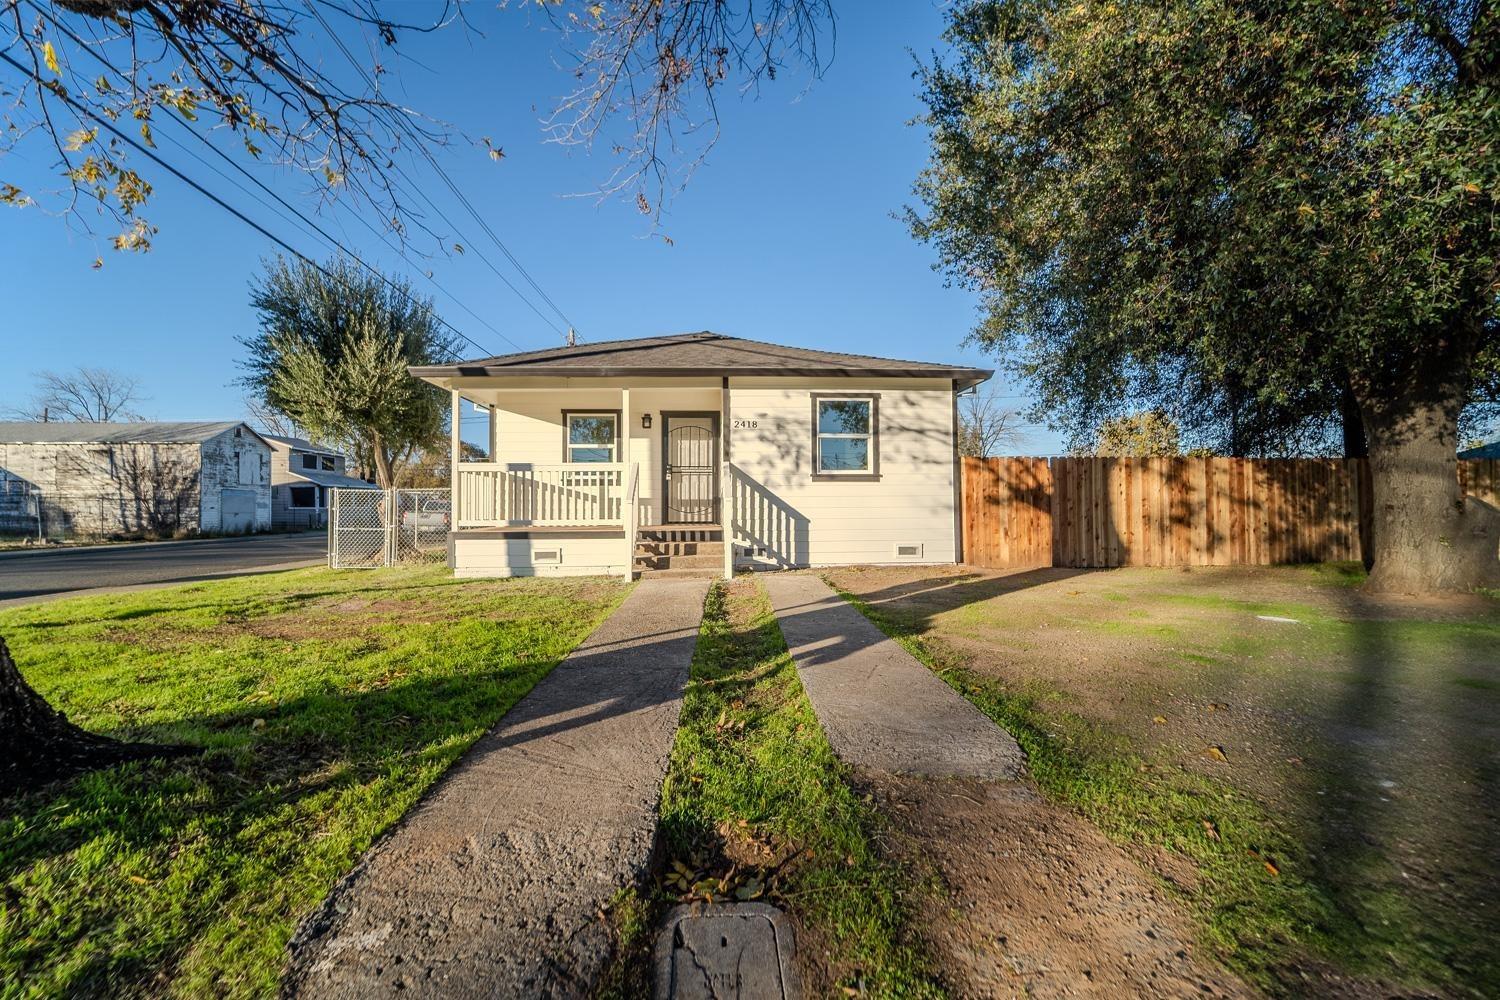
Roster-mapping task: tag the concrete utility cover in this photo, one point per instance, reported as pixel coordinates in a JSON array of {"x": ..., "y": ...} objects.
[{"x": 725, "y": 951}]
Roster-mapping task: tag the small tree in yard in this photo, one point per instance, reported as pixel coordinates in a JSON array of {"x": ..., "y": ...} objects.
[
  {"x": 1149, "y": 434},
  {"x": 332, "y": 353},
  {"x": 1243, "y": 215}
]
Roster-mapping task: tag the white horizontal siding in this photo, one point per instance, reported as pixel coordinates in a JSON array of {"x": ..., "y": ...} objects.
[
  {"x": 529, "y": 427},
  {"x": 499, "y": 557},
  {"x": 800, "y": 520}
]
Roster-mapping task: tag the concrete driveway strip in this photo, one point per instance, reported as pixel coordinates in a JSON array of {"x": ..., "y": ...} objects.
[
  {"x": 494, "y": 884},
  {"x": 881, "y": 708}
]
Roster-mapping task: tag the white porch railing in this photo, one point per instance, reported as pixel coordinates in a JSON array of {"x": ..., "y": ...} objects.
[{"x": 492, "y": 494}]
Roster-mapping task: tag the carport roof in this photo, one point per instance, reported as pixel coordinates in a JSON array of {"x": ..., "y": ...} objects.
[
  {"x": 134, "y": 432},
  {"x": 690, "y": 354},
  {"x": 321, "y": 478}
]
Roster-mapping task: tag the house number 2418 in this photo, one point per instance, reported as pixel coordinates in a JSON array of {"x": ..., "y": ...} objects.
[{"x": 747, "y": 424}]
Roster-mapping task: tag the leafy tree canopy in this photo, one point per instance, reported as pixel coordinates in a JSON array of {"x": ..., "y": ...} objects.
[
  {"x": 1223, "y": 210},
  {"x": 1233, "y": 213}
]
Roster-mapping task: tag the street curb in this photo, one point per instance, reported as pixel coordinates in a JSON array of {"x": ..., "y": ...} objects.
[{"x": 63, "y": 595}]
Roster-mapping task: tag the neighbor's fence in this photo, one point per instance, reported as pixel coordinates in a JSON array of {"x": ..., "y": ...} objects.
[
  {"x": 1098, "y": 512},
  {"x": 371, "y": 528}
]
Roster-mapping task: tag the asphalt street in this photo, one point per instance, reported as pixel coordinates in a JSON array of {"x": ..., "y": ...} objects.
[{"x": 58, "y": 571}]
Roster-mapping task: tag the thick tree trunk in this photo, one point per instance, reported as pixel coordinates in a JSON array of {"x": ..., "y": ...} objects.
[
  {"x": 384, "y": 476},
  {"x": 1426, "y": 537},
  {"x": 38, "y": 744},
  {"x": 1352, "y": 424}
]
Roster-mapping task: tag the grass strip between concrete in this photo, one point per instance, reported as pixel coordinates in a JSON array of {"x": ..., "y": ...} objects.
[{"x": 756, "y": 806}]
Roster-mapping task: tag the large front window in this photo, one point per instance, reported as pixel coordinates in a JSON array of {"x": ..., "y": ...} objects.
[
  {"x": 845, "y": 435},
  {"x": 592, "y": 437}
]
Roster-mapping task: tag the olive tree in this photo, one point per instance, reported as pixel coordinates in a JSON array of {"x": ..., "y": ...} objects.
[
  {"x": 331, "y": 356},
  {"x": 1239, "y": 213}
]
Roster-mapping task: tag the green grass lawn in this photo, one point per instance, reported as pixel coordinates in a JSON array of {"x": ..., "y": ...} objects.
[
  {"x": 1323, "y": 780},
  {"x": 756, "y": 806},
  {"x": 325, "y": 701}
]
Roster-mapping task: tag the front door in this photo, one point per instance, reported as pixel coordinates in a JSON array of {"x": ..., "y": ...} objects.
[{"x": 690, "y": 449}]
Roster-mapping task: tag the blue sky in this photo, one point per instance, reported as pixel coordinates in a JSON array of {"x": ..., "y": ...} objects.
[{"x": 787, "y": 233}]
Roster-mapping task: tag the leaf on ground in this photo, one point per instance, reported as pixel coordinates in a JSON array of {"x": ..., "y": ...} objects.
[
  {"x": 1216, "y": 753},
  {"x": 1160, "y": 720},
  {"x": 751, "y": 889},
  {"x": 1210, "y": 829}
]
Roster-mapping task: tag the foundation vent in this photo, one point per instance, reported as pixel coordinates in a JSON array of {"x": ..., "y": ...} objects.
[
  {"x": 546, "y": 557},
  {"x": 908, "y": 550}
]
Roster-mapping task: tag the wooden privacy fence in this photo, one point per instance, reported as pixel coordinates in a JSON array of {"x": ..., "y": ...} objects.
[{"x": 1096, "y": 512}]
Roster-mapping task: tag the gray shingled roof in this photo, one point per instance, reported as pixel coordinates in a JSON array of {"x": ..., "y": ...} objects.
[
  {"x": 138, "y": 432},
  {"x": 695, "y": 354}
]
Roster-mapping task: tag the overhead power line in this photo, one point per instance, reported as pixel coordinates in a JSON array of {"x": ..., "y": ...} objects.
[
  {"x": 149, "y": 154},
  {"x": 437, "y": 168}
]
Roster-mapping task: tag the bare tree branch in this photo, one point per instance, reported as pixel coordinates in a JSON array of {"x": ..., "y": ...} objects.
[
  {"x": 984, "y": 428},
  {"x": 88, "y": 394}
]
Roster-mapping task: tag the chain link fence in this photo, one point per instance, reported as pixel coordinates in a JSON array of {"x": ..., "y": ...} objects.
[{"x": 372, "y": 528}]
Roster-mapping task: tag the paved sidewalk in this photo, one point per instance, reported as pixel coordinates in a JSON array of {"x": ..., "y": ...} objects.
[
  {"x": 881, "y": 708},
  {"x": 493, "y": 886}
]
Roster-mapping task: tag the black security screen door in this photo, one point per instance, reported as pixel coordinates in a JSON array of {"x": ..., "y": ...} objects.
[{"x": 692, "y": 480}]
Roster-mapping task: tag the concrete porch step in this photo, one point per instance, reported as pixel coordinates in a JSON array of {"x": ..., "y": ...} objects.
[
  {"x": 677, "y": 574},
  {"x": 699, "y": 561},
  {"x": 679, "y": 549}
]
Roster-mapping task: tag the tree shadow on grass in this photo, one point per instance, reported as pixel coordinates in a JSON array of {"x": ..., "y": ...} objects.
[
  {"x": 1407, "y": 843},
  {"x": 257, "y": 828}
]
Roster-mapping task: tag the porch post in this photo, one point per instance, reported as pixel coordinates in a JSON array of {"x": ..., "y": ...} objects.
[
  {"x": 624, "y": 431},
  {"x": 455, "y": 440},
  {"x": 726, "y": 484}
]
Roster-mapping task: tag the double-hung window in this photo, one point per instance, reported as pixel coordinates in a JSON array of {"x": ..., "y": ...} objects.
[
  {"x": 846, "y": 435},
  {"x": 592, "y": 437}
]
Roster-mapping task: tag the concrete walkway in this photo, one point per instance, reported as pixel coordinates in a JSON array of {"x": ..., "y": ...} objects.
[
  {"x": 494, "y": 885},
  {"x": 881, "y": 708}
]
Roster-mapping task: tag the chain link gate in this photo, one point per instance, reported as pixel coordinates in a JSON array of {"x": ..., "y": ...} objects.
[
  {"x": 372, "y": 528},
  {"x": 420, "y": 526}
]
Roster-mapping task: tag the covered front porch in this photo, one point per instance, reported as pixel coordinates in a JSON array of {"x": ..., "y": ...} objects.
[{"x": 589, "y": 476}]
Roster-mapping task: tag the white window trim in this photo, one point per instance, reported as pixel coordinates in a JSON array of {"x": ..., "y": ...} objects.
[
  {"x": 871, "y": 435},
  {"x": 614, "y": 443}
]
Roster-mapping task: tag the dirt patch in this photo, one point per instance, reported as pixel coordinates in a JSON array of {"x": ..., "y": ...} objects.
[
  {"x": 1367, "y": 728},
  {"x": 1038, "y": 903}
]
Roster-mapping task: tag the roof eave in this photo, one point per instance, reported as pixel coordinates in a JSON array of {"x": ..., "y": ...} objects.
[{"x": 965, "y": 377}]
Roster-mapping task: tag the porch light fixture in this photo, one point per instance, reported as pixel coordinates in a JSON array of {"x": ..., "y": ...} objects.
[{"x": 646, "y": 421}]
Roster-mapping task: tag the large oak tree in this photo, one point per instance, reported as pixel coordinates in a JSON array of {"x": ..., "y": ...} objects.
[{"x": 1231, "y": 211}]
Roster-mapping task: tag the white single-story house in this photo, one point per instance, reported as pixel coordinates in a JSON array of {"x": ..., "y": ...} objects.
[
  {"x": 68, "y": 478},
  {"x": 302, "y": 473},
  {"x": 646, "y": 456}
]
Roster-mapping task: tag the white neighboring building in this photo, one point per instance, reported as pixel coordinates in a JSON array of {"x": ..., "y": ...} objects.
[{"x": 159, "y": 478}]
